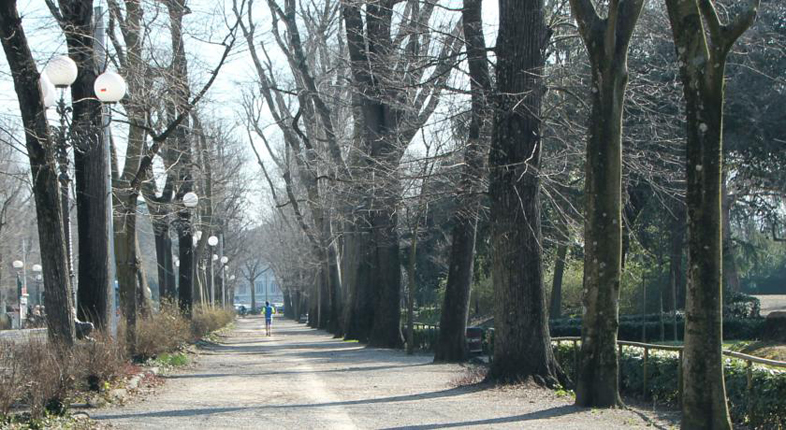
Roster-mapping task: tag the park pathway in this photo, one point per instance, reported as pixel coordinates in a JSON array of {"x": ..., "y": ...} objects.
[{"x": 301, "y": 378}]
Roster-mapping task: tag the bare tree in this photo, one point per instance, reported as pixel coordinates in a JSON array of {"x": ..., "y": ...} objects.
[
  {"x": 38, "y": 140},
  {"x": 703, "y": 43},
  {"x": 451, "y": 345},
  {"x": 607, "y": 42}
]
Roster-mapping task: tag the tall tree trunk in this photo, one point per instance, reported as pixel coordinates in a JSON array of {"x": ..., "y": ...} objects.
[
  {"x": 253, "y": 294},
  {"x": 90, "y": 168},
  {"x": 522, "y": 345},
  {"x": 451, "y": 343},
  {"x": 702, "y": 57},
  {"x": 360, "y": 310},
  {"x": 555, "y": 305},
  {"x": 386, "y": 331},
  {"x": 127, "y": 259},
  {"x": 166, "y": 286},
  {"x": 185, "y": 244},
  {"x": 607, "y": 43},
  {"x": 40, "y": 150}
]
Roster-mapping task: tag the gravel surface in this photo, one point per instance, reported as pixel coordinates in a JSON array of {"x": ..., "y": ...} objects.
[{"x": 301, "y": 378}]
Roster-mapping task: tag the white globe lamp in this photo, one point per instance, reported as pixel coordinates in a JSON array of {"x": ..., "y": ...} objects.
[
  {"x": 232, "y": 278},
  {"x": 109, "y": 87},
  {"x": 212, "y": 241},
  {"x": 18, "y": 264},
  {"x": 61, "y": 71},
  {"x": 190, "y": 200},
  {"x": 224, "y": 260},
  {"x": 215, "y": 257},
  {"x": 37, "y": 268},
  {"x": 47, "y": 90}
]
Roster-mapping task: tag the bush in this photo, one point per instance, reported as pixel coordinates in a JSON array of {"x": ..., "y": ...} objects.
[
  {"x": 763, "y": 407},
  {"x": 631, "y": 327},
  {"x": 741, "y": 305},
  {"x": 100, "y": 361},
  {"x": 10, "y": 376},
  {"x": 162, "y": 331},
  {"x": 206, "y": 320}
]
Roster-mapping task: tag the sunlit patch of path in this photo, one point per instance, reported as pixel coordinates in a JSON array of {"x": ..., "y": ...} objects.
[{"x": 301, "y": 378}]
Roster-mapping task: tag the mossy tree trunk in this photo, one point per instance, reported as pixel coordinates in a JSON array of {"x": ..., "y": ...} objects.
[
  {"x": 607, "y": 42},
  {"x": 701, "y": 54}
]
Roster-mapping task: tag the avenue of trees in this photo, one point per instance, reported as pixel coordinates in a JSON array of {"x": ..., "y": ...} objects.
[{"x": 399, "y": 160}]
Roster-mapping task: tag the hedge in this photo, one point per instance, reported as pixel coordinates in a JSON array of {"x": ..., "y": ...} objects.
[
  {"x": 763, "y": 407},
  {"x": 631, "y": 327}
]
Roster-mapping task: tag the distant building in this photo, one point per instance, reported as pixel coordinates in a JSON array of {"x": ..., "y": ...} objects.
[{"x": 266, "y": 289}]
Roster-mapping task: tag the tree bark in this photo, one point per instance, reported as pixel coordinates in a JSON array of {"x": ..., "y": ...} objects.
[
  {"x": 607, "y": 44},
  {"x": 702, "y": 58},
  {"x": 185, "y": 290},
  {"x": 451, "y": 344},
  {"x": 522, "y": 345},
  {"x": 90, "y": 167},
  {"x": 40, "y": 150},
  {"x": 555, "y": 305},
  {"x": 127, "y": 260}
]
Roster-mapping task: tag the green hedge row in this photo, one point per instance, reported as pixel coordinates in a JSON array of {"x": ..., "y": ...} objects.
[
  {"x": 763, "y": 407},
  {"x": 631, "y": 328}
]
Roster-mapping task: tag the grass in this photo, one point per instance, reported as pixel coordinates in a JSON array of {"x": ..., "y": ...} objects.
[{"x": 177, "y": 359}]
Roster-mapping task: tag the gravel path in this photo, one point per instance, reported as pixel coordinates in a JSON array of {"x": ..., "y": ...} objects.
[{"x": 302, "y": 378}]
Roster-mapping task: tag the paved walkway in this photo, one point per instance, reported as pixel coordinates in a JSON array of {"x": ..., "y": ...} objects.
[{"x": 303, "y": 379}]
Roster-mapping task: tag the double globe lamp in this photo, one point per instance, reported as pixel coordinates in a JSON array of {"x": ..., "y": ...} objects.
[{"x": 61, "y": 72}]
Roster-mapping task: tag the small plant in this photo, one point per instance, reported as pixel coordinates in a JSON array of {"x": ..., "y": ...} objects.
[{"x": 172, "y": 360}]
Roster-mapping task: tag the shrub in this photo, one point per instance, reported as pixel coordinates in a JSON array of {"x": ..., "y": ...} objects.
[
  {"x": 48, "y": 374},
  {"x": 162, "y": 331},
  {"x": 631, "y": 327},
  {"x": 763, "y": 407},
  {"x": 206, "y": 320},
  {"x": 10, "y": 376},
  {"x": 99, "y": 361}
]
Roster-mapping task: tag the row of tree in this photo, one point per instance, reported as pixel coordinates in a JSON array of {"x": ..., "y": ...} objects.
[{"x": 394, "y": 121}]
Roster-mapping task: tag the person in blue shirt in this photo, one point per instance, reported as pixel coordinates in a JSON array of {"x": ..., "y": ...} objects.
[{"x": 269, "y": 311}]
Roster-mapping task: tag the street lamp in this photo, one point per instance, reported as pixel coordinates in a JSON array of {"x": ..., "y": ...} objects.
[
  {"x": 61, "y": 72},
  {"x": 212, "y": 241},
  {"x": 37, "y": 270},
  {"x": 190, "y": 200},
  {"x": 187, "y": 241},
  {"x": 21, "y": 290}
]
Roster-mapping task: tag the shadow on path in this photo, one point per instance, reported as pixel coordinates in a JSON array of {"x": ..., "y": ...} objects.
[{"x": 537, "y": 415}]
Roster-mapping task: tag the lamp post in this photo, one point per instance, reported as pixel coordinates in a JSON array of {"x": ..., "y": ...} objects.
[
  {"x": 186, "y": 262},
  {"x": 61, "y": 72},
  {"x": 224, "y": 261},
  {"x": 37, "y": 295},
  {"x": 212, "y": 241},
  {"x": 21, "y": 292},
  {"x": 109, "y": 87}
]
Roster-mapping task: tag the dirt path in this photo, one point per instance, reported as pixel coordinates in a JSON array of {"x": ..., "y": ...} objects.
[{"x": 303, "y": 379}]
